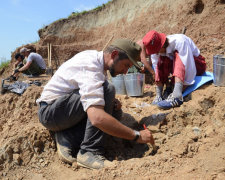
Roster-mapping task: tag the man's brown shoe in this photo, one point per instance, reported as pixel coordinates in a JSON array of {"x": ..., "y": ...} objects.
[
  {"x": 92, "y": 161},
  {"x": 64, "y": 149}
]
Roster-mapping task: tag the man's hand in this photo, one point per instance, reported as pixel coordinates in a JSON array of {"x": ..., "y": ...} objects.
[
  {"x": 16, "y": 71},
  {"x": 142, "y": 70},
  {"x": 117, "y": 105},
  {"x": 153, "y": 75},
  {"x": 108, "y": 124},
  {"x": 146, "y": 137}
]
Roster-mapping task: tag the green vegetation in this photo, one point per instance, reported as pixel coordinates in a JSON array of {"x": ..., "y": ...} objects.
[
  {"x": 77, "y": 13},
  {"x": 4, "y": 64},
  {"x": 98, "y": 8}
]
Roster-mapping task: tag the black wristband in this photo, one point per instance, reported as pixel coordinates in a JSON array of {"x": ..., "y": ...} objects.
[
  {"x": 16, "y": 71},
  {"x": 137, "y": 135}
]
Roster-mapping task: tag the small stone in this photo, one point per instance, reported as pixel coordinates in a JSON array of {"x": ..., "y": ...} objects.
[
  {"x": 194, "y": 137},
  {"x": 133, "y": 106},
  {"x": 126, "y": 97},
  {"x": 75, "y": 166},
  {"x": 17, "y": 159},
  {"x": 196, "y": 130},
  {"x": 16, "y": 150},
  {"x": 138, "y": 110},
  {"x": 36, "y": 149},
  {"x": 209, "y": 130},
  {"x": 153, "y": 129}
]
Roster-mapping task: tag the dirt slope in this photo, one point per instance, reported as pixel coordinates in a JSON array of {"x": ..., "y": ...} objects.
[{"x": 191, "y": 138}]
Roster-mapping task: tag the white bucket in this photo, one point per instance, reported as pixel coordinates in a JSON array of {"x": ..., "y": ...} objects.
[
  {"x": 134, "y": 83},
  {"x": 219, "y": 70},
  {"x": 119, "y": 84}
]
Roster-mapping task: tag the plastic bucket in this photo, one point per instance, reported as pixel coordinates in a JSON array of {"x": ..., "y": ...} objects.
[
  {"x": 134, "y": 83},
  {"x": 219, "y": 70},
  {"x": 119, "y": 84}
]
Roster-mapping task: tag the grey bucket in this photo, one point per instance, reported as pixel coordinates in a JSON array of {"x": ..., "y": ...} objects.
[
  {"x": 119, "y": 84},
  {"x": 134, "y": 83},
  {"x": 219, "y": 70}
]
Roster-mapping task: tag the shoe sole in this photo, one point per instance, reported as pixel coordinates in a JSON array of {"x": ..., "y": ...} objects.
[
  {"x": 82, "y": 165},
  {"x": 164, "y": 108},
  {"x": 167, "y": 108},
  {"x": 62, "y": 158}
]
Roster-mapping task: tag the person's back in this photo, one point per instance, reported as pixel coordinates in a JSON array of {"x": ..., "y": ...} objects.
[
  {"x": 81, "y": 70},
  {"x": 38, "y": 59},
  {"x": 181, "y": 42}
]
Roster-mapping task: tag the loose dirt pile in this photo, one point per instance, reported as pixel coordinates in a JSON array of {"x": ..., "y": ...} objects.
[{"x": 191, "y": 138}]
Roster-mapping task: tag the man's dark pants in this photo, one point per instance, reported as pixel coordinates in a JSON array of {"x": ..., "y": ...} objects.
[
  {"x": 34, "y": 69},
  {"x": 66, "y": 116}
]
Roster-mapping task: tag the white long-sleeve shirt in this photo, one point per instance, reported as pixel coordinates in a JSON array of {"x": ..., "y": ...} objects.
[
  {"x": 84, "y": 71},
  {"x": 187, "y": 51}
]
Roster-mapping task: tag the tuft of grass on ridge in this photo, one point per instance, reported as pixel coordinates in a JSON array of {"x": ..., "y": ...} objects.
[
  {"x": 84, "y": 12},
  {"x": 76, "y": 13},
  {"x": 4, "y": 64}
]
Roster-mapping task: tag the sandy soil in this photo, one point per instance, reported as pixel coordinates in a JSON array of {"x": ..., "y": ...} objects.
[{"x": 191, "y": 138}]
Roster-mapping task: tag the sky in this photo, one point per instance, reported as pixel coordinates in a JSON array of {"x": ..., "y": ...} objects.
[{"x": 20, "y": 20}]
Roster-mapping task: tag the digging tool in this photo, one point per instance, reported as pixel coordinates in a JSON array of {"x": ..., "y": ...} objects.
[
  {"x": 108, "y": 42},
  {"x": 49, "y": 70},
  {"x": 108, "y": 74},
  {"x": 184, "y": 30},
  {"x": 154, "y": 147},
  {"x": 50, "y": 56}
]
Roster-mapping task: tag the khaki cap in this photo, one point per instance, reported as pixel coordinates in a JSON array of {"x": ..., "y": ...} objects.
[{"x": 132, "y": 49}]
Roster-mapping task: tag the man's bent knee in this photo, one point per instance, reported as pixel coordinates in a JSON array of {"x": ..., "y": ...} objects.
[{"x": 109, "y": 88}]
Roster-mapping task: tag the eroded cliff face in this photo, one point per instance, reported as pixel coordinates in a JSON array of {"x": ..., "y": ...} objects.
[{"x": 204, "y": 20}]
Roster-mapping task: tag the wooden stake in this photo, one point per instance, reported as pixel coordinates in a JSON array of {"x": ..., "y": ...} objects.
[
  {"x": 108, "y": 74},
  {"x": 50, "y": 55},
  {"x": 108, "y": 42},
  {"x": 184, "y": 30}
]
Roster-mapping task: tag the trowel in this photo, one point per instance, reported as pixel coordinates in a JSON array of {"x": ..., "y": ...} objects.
[{"x": 154, "y": 147}]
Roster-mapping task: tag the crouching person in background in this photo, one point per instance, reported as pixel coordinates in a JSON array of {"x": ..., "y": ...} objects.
[
  {"x": 17, "y": 65},
  {"x": 173, "y": 54},
  {"x": 35, "y": 64}
]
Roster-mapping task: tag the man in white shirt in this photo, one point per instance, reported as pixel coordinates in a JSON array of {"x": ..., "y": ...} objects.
[
  {"x": 35, "y": 64},
  {"x": 173, "y": 54},
  {"x": 78, "y": 103}
]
